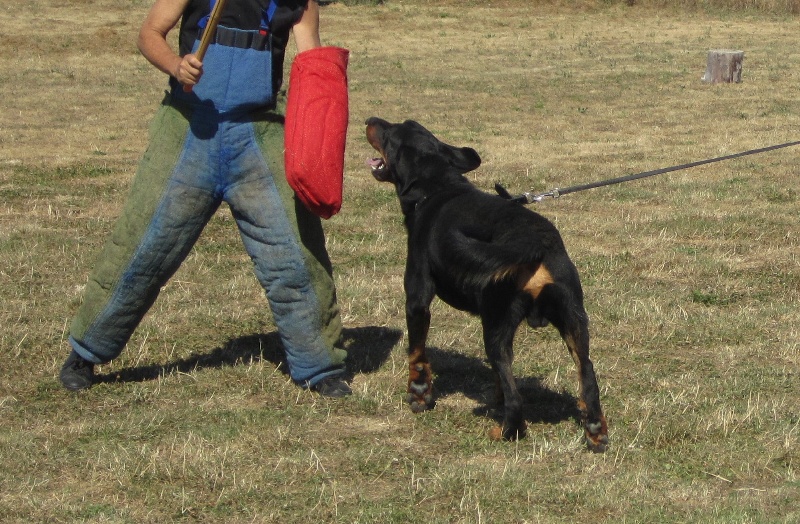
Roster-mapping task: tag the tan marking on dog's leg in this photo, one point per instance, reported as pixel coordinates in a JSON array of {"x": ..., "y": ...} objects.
[
  {"x": 532, "y": 282},
  {"x": 572, "y": 346},
  {"x": 420, "y": 381},
  {"x": 498, "y": 433},
  {"x": 596, "y": 433}
]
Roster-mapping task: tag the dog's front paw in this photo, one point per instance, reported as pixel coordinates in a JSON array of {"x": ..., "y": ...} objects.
[
  {"x": 420, "y": 387},
  {"x": 597, "y": 436}
]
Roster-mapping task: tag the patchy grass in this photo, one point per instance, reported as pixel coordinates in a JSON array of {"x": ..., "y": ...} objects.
[{"x": 691, "y": 279}]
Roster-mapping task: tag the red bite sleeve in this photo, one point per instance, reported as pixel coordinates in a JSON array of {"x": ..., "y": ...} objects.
[{"x": 317, "y": 114}]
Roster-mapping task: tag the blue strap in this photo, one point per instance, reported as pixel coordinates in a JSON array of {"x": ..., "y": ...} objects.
[
  {"x": 269, "y": 13},
  {"x": 204, "y": 21}
]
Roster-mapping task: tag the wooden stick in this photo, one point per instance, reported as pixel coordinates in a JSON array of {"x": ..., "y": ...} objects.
[
  {"x": 208, "y": 33},
  {"x": 211, "y": 29}
]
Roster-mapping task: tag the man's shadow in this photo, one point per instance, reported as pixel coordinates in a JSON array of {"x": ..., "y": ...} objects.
[
  {"x": 474, "y": 378},
  {"x": 367, "y": 349}
]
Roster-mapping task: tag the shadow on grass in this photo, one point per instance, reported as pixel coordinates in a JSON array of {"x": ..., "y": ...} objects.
[
  {"x": 475, "y": 379},
  {"x": 367, "y": 349}
]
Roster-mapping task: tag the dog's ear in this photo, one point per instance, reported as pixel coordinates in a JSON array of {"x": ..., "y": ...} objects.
[{"x": 464, "y": 159}]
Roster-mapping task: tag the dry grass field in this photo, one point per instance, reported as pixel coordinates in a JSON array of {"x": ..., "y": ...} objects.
[{"x": 692, "y": 280}]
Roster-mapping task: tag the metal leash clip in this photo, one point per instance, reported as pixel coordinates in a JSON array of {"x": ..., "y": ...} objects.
[
  {"x": 531, "y": 198},
  {"x": 527, "y": 197}
]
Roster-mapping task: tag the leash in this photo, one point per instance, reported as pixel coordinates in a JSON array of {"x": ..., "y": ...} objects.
[{"x": 529, "y": 198}]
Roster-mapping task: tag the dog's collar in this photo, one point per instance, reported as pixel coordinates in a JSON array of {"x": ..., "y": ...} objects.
[
  {"x": 405, "y": 193},
  {"x": 427, "y": 197},
  {"x": 421, "y": 201}
]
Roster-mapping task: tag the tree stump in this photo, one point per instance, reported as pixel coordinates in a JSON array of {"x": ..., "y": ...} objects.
[{"x": 724, "y": 66}]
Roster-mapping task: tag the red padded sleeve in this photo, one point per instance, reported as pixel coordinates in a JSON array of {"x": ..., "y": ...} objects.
[{"x": 317, "y": 114}]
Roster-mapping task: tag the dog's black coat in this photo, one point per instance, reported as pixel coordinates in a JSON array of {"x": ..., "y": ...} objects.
[{"x": 483, "y": 254}]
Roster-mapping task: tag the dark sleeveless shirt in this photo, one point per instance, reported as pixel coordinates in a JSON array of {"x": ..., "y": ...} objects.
[{"x": 246, "y": 15}]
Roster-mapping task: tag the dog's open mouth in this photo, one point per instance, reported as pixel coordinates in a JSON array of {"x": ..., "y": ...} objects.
[{"x": 378, "y": 167}]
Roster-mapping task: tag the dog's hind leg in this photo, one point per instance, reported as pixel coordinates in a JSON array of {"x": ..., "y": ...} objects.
[
  {"x": 500, "y": 321},
  {"x": 566, "y": 312},
  {"x": 576, "y": 337},
  {"x": 560, "y": 301}
]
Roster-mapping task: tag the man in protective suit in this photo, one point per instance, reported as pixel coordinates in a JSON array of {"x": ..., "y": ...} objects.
[{"x": 217, "y": 137}]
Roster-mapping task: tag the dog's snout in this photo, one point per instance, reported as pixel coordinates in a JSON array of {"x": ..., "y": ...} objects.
[
  {"x": 375, "y": 127},
  {"x": 375, "y": 121}
]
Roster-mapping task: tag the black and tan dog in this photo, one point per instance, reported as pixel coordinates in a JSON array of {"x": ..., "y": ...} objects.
[{"x": 486, "y": 255}]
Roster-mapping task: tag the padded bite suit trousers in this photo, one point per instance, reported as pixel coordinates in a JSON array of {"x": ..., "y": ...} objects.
[{"x": 196, "y": 160}]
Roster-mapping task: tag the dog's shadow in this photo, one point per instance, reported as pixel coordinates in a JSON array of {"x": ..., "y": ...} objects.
[
  {"x": 474, "y": 378},
  {"x": 367, "y": 349}
]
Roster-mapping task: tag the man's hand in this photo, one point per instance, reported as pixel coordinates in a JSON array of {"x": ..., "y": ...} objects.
[{"x": 189, "y": 70}]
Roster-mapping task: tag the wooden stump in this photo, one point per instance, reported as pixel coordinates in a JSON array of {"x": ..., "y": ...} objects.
[{"x": 724, "y": 66}]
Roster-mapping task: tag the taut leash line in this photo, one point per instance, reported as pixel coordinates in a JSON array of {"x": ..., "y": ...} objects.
[{"x": 529, "y": 198}]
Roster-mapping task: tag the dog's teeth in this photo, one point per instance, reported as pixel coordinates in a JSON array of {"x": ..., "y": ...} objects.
[{"x": 375, "y": 163}]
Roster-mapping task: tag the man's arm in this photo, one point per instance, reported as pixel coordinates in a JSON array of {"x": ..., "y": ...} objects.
[
  {"x": 306, "y": 30},
  {"x": 152, "y": 42}
]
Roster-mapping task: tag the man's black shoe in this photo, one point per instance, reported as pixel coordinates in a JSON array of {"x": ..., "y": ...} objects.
[
  {"x": 333, "y": 387},
  {"x": 77, "y": 373}
]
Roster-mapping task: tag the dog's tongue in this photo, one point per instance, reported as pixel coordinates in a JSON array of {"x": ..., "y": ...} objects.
[{"x": 375, "y": 162}]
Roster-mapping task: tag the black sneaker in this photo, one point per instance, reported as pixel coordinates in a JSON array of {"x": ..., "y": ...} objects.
[
  {"x": 77, "y": 373},
  {"x": 333, "y": 387}
]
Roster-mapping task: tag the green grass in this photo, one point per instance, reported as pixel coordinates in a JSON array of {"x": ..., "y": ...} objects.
[{"x": 691, "y": 280}]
